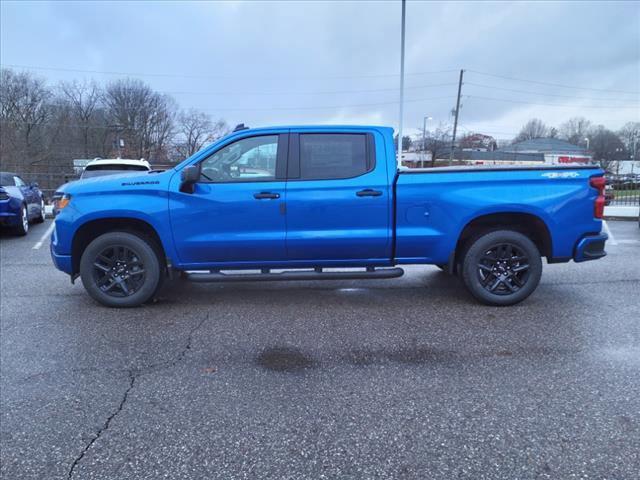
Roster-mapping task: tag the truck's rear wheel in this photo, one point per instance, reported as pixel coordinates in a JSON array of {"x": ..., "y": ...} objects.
[
  {"x": 502, "y": 267},
  {"x": 120, "y": 269}
]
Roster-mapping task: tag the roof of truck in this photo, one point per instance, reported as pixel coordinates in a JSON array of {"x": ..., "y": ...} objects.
[{"x": 314, "y": 127}]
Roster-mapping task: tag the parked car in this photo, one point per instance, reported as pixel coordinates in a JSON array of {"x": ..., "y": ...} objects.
[
  {"x": 100, "y": 167},
  {"x": 609, "y": 194},
  {"x": 20, "y": 204},
  {"x": 332, "y": 197}
]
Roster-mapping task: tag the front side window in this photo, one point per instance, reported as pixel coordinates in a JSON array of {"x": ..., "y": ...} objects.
[
  {"x": 332, "y": 156},
  {"x": 19, "y": 182},
  {"x": 246, "y": 160}
]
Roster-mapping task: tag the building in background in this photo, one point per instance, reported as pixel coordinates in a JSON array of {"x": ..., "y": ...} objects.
[
  {"x": 478, "y": 142},
  {"x": 554, "y": 150}
]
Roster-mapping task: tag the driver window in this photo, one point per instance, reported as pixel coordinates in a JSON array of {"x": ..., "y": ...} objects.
[
  {"x": 251, "y": 159},
  {"x": 19, "y": 182}
]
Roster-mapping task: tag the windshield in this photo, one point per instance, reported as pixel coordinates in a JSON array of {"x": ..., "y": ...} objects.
[
  {"x": 102, "y": 170},
  {"x": 6, "y": 180}
]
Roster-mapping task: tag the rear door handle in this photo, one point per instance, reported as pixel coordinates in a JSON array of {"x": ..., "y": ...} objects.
[
  {"x": 266, "y": 195},
  {"x": 368, "y": 192}
]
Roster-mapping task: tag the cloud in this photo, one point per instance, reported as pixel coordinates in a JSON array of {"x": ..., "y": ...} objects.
[{"x": 244, "y": 48}]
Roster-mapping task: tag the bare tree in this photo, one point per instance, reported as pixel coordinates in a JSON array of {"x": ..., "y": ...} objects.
[
  {"x": 195, "y": 130},
  {"x": 25, "y": 108},
  {"x": 84, "y": 99},
  {"x": 630, "y": 136},
  {"x": 575, "y": 130},
  {"x": 438, "y": 143},
  {"x": 160, "y": 128},
  {"x": 606, "y": 147},
  {"x": 406, "y": 142},
  {"x": 142, "y": 117},
  {"x": 534, "y": 128}
]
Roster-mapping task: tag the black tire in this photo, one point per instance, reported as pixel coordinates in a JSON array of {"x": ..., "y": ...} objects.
[
  {"x": 120, "y": 269},
  {"x": 502, "y": 267},
  {"x": 40, "y": 218},
  {"x": 23, "y": 223}
]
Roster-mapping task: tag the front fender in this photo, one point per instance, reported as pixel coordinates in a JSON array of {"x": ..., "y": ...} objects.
[{"x": 149, "y": 206}]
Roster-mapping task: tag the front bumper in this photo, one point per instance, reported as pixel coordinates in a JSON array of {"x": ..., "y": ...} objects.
[
  {"x": 590, "y": 247},
  {"x": 9, "y": 219},
  {"x": 61, "y": 262}
]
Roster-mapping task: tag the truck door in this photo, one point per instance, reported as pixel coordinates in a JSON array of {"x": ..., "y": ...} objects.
[
  {"x": 338, "y": 197},
  {"x": 235, "y": 213}
]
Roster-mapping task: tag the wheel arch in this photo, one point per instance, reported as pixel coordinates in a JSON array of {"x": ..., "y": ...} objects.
[
  {"x": 92, "y": 229},
  {"x": 528, "y": 224}
]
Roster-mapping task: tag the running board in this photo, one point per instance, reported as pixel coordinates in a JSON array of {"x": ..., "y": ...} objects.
[{"x": 316, "y": 274}]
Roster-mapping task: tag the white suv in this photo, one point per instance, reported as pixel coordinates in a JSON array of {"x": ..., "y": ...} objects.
[{"x": 110, "y": 166}]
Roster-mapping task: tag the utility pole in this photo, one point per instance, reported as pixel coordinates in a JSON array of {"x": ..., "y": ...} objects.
[
  {"x": 401, "y": 83},
  {"x": 455, "y": 122},
  {"x": 424, "y": 139}
]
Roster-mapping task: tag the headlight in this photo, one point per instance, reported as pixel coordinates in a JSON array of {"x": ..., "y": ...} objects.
[{"x": 61, "y": 200}]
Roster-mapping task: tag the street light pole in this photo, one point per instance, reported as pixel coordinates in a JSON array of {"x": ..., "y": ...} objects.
[{"x": 401, "y": 83}]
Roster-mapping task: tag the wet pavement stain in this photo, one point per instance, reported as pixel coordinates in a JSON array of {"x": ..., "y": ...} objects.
[
  {"x": 420, "y": 355},
  {"x": 409, "y": 355},
  {"x": 284, "y": 359}
]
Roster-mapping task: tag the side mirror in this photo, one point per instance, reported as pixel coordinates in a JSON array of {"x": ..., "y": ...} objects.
[
  {"x": 34, "y": 185},
  {"x": 189, "y": 177}
]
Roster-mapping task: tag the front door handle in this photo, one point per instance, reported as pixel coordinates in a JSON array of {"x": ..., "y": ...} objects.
[
  {"x": 368, "y": 192},
  {"x": 266, "y": 195}
]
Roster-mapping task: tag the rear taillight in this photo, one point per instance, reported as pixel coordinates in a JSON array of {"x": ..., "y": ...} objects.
[{"x": 598, "y": 207}]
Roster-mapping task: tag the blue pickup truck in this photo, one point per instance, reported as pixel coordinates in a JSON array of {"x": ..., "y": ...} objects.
[{"x": 312, "y": 203}]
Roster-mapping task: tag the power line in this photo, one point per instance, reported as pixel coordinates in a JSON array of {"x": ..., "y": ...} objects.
[
  {"x": 377, "y": 90},
  {"x": 553, "y": 84},
  {"x": 332, "y": 107},
  {"x": 546, "y": 94},
  {"x": 552, "y": 104},
  {"x": 177, "y": 75},
  {"x": 310, "y": 107}
]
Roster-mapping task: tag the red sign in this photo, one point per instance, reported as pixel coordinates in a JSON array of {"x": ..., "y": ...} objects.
[{"x": 573, "y": 159}]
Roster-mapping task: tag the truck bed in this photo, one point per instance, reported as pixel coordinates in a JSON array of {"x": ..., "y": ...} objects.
[
  {"x": 433, "y": 210},
  {"x": 493, "y": 168}
]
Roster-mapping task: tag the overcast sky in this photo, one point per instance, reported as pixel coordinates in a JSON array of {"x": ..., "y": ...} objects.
[{"x": 266, "y": 63}]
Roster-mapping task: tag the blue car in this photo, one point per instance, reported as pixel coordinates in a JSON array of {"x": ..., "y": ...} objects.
[{"x": 20, "y": 203}]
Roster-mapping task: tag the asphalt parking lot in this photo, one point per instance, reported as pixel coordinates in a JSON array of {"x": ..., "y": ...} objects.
[{"x": 405, "y": 378}]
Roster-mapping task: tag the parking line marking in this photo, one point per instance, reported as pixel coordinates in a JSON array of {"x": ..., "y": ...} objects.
[
  {"x": 612, "y": 239},
  {"x": 44, "y": 236}
]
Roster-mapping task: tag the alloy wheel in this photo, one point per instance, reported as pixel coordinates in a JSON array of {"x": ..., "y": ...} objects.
[
  {"x": 25, "y": 220},
  {"x": 118, "y": 271},
  {"x": 503, "y": 269}
]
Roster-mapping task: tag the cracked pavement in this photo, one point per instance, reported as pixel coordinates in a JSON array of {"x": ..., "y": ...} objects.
[{"x": 403, "y": 378}]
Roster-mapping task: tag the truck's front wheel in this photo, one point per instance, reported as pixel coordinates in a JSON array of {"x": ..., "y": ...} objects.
[
  {"x": 120, "y": 269},
  {"x": 502, "y": 267}
]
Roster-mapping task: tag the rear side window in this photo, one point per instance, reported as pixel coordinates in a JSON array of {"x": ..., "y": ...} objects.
[{"x": 326, "y": 156}]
